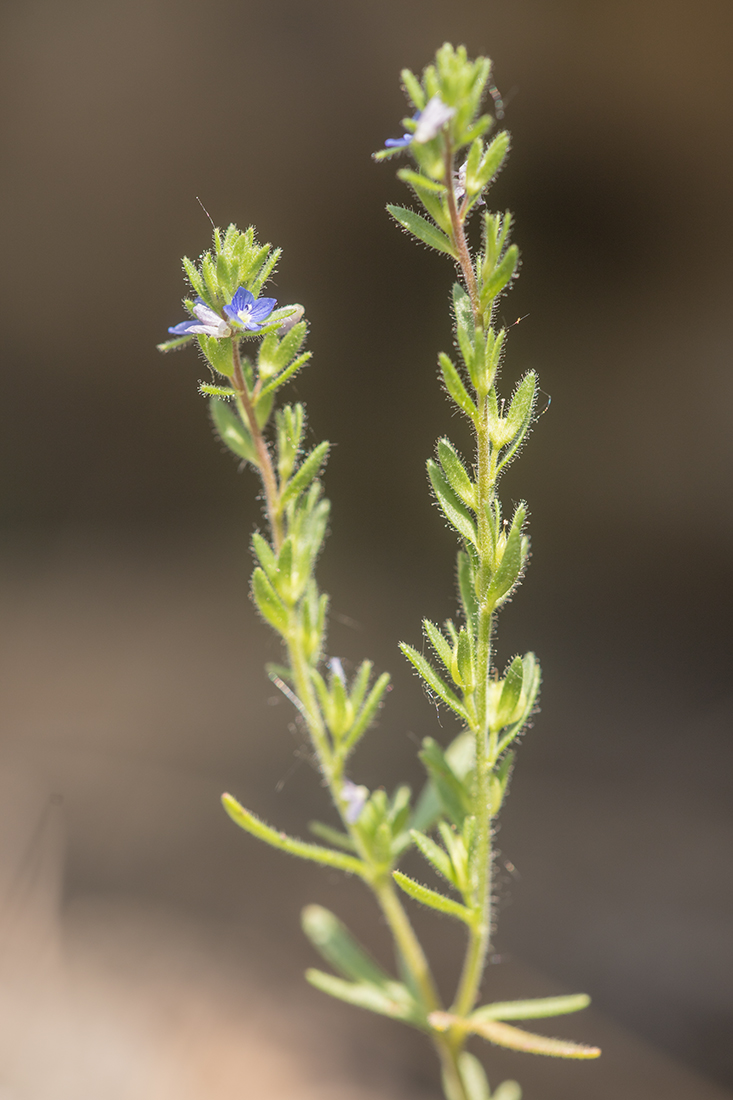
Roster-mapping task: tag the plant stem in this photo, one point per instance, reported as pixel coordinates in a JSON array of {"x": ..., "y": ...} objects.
[
  {"x": 459, "y": 237},
  {"x": 269, "y": 481},
  {"x": 479, "y": 936}
]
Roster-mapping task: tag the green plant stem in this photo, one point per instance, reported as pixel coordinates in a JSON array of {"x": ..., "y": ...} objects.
[
  {"x": 381, "y": 884},
  {"x": 269, "y": 481},
  {"x": 459, "y": 237},
  {"x": 479, "y": 935}
]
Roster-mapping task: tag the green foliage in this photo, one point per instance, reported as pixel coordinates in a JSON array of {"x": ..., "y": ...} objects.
[{"x": 451, "y": 825}]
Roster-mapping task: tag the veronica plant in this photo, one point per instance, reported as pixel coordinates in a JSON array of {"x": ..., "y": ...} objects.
[{"x": 253, "y": 349}]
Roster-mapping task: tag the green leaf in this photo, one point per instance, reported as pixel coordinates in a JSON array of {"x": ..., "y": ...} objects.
[
  {"x": 232, "y": 431},
  {"x": 455, "y": 512},
  {"x": 466, "y": 587},
  {"x": 434, "y": 854},
  {"x": 216, "y": 391},
  {"x": 510, "y": 693},
  {"x": 501, "y": 276},
  {"x": 513, "y": 1038},
  {"x": 434, "y": 681},
  {"x": 456, "y": 474},
  {"x": 284, "y": 376},
  {"x": 174, "y": 344},
  {"x": 395, "y": 1001},
  {"x": 508, "y": 1090},
  {"x": 432, "y": 899},
  {"x": 424, "y": 230},
  {"x": 367, "y": 713},
  {"x": 455, "y": 387},
  {"x": 492, "y": 160},
  {"x": 454, "y": 799},
  {"x": 439, "y": 644},
  {"x": 473, "y": 1077},
  {"x": 265, "y": 555},
  {"x": 314, "y": 852},
  {"x": 194, "y": 277},
  {"x": 533, "y": 1009},
  {"x": 268, "y": 602},
  {"x": 463, "y": 667},
  {"x": 413, "y": 88},
  {"x": 218, "y": 354},
  {"x": 338, "y": 947},
  {"x": 465, "y": 328},
  {"x": 306, "y": 472},
  {"x": 511, "y": 563},
  {"x": 421, "y": 182},
  {"x": 519, "y": 416}
]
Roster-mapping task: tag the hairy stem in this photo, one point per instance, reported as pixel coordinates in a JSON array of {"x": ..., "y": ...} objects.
[
  {"x": 269, "y": 480},
  {"x": 459, "y": 237}
]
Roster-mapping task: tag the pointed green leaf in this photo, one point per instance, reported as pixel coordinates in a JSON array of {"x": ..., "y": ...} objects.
[
  {"x": 421, "y": 182},
  {"x": 492, "y": 159},
  {"x": 511, "y": 563},
  {"x": 432, "y": 899},
  {"x": 473, "y": 1077},
  {"x": 268, "y": 602},
  {"x": 519, "y": 417},
  {"x": 174, "y": 344},
  {"x": 434, "y": 854},
  {"x": 434, "y": 681},
  {"x": 513, "y": 1038},
  {"x": 413, "y": 88},
  {"x": 395, "y": 1001},
  {"x": 265, "y": 555},
  {"x": 500, "y": 276},
  {"x": 507, "y": 1090},
  {"x": 314, "y": 852},
  {"x": 306, "y": 472},
  {"x": 424, "y": 230},
  {"x": 439, "y": 644},
  {"x": 455, "y": 800},
  {"x": 367, "y": 713},
  {"x": 284, "y": 376},
  {"x": 455, "y": 473},
  {"x": 534, "y": 1009},
  {"x": 455, "y": 512},
  {"x": 455, "y": 387},
  {"x": 510, "y": 693},
  {"x": 465, "y": 329},
  {"x": 338, "y": 947},
  {"x": 466, "y": 587}
]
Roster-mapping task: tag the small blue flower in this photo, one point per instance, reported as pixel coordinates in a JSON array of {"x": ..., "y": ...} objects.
[
  {"x": 207, "y": 323},
  {"x": 401, "y": 143},
  {"x": 432, "y": 120},
  {"x": 248, "y": 312},
  {"x": 429, "y": 122},
  {"x": 353, "y": 798},
  {"x": 398, "y": 143}
]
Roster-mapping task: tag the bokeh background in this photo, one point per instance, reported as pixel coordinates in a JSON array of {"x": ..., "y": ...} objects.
[{"x": 131, "y": 657}]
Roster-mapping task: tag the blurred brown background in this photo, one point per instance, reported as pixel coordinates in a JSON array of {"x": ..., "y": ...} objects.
[{"x": 131, "y": 657}]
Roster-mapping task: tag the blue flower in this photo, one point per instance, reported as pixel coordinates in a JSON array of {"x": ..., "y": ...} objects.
[
  {"x": 429, "y": 122},
  {"x": 353, "y": 798},
  {"x": 207, "y": 323},
  {"x": 432, "y": 120},
  {"x": 247, "y": 312}
]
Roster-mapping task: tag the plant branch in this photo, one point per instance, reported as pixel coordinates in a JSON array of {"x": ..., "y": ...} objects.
[{"x": 269, "y": 480}]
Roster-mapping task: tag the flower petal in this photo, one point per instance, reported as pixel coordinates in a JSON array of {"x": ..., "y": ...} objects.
[
  {"x": 432, "y": 120},
  {"x": 242, "y": 300},
  {"x": 262, "y": 308},
  {"x": 186, "y": 328},
  {"x": 398, "y": 143}
]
